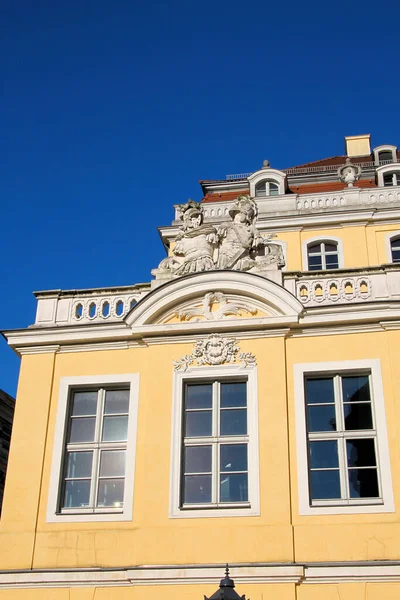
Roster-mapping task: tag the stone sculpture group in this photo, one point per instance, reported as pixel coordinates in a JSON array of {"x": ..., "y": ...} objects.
[{"x": 236, "y": 244}]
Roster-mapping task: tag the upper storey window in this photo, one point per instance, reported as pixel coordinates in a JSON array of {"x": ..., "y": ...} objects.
[
  {"x": 391, "y": 178},
  {"x": 267, "y": 182},
  {"x": 384, "y": 155},
  {"x": 267, "y": 188},
  {"x": 395, "y": 249},
  {"x": 323, "y": 255}
]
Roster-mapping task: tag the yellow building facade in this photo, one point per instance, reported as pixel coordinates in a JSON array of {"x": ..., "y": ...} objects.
[{"x": 240, "y": 408}]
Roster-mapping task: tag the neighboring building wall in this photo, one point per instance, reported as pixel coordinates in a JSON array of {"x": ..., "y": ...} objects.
[{"x": 7, "y": 404}]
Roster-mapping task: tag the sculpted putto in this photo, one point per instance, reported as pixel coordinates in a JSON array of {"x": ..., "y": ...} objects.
[{"x": 236, "y": 244}]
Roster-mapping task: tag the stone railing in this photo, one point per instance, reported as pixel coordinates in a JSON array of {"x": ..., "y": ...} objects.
[
  {"x": 293, "y": 203},
  {"x": 345, "y": 287},
  {"x": 74, "y": 307}
]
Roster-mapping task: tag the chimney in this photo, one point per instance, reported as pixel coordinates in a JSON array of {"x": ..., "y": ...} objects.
[{"x": 357, "y": 145}]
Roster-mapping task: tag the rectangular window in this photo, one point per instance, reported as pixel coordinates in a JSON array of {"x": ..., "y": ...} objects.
[
  {"x": 341, "y": 439},
  {"x": 215, "y": 442},
  {"x": 94, "y": 449},
  {"x": 343, "y": 446},
  {"x": 215, "y": 447},
  {"x": 94, "y": 461}
]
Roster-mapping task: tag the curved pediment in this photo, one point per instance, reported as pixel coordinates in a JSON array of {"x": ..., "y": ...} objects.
[{"x": 214, "y": 297}]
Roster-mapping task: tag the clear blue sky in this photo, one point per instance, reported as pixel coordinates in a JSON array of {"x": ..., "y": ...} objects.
[{"x": 112, "y": 111}]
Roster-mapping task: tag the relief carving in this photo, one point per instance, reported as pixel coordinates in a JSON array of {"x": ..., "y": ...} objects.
[
  {"x": 215, "y": 350},
  {"x": 215, "y": 306}
]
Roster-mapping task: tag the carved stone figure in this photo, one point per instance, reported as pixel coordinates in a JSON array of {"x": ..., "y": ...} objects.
[
  {"x": 239, "y": 237},
  {"x": 349, "y": 173},
  {"x": 237, "y": 244},
  {"x": 196, "y": 242}
]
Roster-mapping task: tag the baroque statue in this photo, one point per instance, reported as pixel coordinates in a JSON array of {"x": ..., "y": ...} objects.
[{"x": 236, "y": 244}]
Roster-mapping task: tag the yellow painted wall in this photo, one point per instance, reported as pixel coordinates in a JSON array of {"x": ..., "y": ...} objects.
[{"x": 151, "y": 536}]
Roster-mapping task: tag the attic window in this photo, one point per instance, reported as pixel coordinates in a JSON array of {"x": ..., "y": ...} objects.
[
  {"x": 385, "y": 156},
  {"x": 267, "y": 188}
]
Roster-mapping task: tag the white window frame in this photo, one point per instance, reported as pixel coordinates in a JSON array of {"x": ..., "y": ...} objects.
[
  {"x": 67, "y": 385},
  {"x": 383, "y": 457},
  {"x": 390, "y": 237},
  {"x": 384, "y": 148},
  {"x": 211, "y": 374},
  {"x": 266, "y": 183},
  {"x": 278, "y": 177},
  {"x": 327, "y": 240},
  {"x": 391, "y": 168}
]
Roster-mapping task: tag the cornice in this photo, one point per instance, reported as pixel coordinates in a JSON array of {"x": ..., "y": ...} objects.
[{"x": 244, "y": 573}]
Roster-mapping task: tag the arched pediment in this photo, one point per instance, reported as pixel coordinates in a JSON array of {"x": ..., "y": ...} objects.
[{"x": 213, "y": 297}]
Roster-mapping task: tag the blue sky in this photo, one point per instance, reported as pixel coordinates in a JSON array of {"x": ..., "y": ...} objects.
[{"x": 112, "y": 111}]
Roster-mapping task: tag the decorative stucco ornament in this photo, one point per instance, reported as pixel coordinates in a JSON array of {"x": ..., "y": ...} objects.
[
  {"x": 226, "y": 308},
  {"x": 349, "y": 173},
  {"x": 215, "y": 350},
  {"x": 236, "y": 244}
]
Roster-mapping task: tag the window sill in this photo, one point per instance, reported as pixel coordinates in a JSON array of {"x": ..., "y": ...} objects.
[
  {"x": 87, "y": 517},
  {"x": 346, "y": 509},
  {"x": 237, "y": 510}
]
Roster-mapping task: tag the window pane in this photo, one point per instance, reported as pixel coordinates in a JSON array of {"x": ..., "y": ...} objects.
[
  {"x": 260, "y": 189},
  {"x": 396, "y": 244},
  {"x": 385, "y": 156},
  {"x": 79, "y": 464},
  {"x": 115, "y": 429},
  {"x": 314, "y": 263},
  {"x": 76, "y": 494},
  {"x": 117, "y": 401},
  {"x": 197, "y": 489},
  {"x": 111, "y": 493},
  {"x": 324, "y": 454},
  {"x": 357, "y": 416},
  {"x": 234, "y": 422},
  {"x": 198, "y": 423},
  {"x": 330, "y": 247},
  {"x": 82, "y": 430},
  {"x": 198, "y": 459},
  {"x": 84, "y": 403},
  {"x": 361, "y": 453},
  {"x": 388, "y": 179},
  {"x": 332, "y": 261},
  {"x": 320, "y": 390},
  {"x": 321, "y": 418},
  {"x": 325, "y": 485},
  {"x": 273, "y": 189},
  {"x": 356, "y": 389},
  {"x": 233, "y": 488},
  {"x": 363, "y": 483},
  {"x": 314, "y": 248},
  {"x": 233, "y": 394},
  {"x": 198, "y": 396},
  {"x": 112, "y": 463},
  {"x": 233, "y": 457},
  {"x": 396, "y": 255}
]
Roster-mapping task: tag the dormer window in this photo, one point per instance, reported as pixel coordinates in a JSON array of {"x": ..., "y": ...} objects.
[
  {"x": 391, "y": 178},
  {"x": 267, "y": 188},
  {"x": 385, "y": 156},
  {"x": 267, "y": 182}
]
